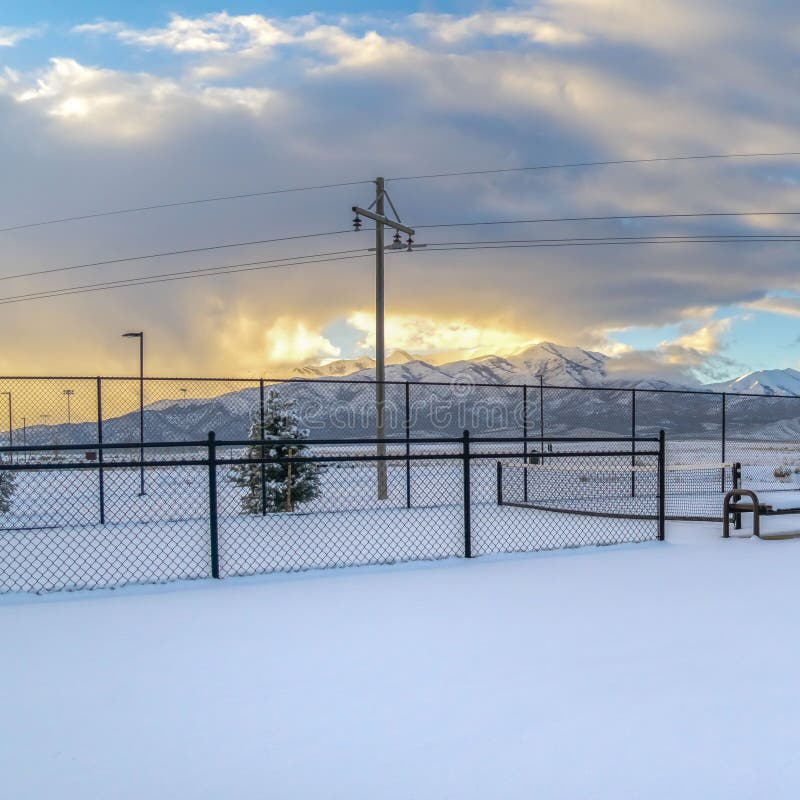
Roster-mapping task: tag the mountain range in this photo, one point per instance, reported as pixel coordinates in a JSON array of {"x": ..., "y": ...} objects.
[
  {"x": 557, "y": 365},
  {"x": 483, "y": 394}
]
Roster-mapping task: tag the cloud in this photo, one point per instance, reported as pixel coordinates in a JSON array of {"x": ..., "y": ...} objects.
[
  {"x": 349, "y": 51},
  {"x": 222, "y": 104},
  {"x": 697, "y": 353},
  {"x": 256, "y": 345},
  {"x": 451, "y": 29},
  {"x": 694, "y": 348},
  {"x": 212, "y": 33},
  {"x": 789, "y": 306},
  {"x": 10, "y": 37},
  {"x": 425, "y": 336},
  {"x": 124, "y": 104},
  {"x": 673, "y": 25}
]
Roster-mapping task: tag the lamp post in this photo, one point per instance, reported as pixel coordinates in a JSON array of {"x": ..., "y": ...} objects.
[
  {"x": 68, "y": 394},
  {"x": 10, "y": 426},
  {"x": 140, "y": 337}
]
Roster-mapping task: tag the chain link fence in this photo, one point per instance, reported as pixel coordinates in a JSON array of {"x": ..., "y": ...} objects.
[
  {"x": 761, "y": 432},
  {"x": 212, "y": 508}
]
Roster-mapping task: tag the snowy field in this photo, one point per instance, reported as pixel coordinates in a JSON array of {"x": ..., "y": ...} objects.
[{"x": 657, "y": 670}]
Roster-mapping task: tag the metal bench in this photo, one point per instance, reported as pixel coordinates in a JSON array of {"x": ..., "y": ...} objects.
[{"x": 733, "y": 506}]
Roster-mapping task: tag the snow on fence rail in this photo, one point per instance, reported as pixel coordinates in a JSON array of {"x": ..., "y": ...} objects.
[{"x": 209, "y": 508}]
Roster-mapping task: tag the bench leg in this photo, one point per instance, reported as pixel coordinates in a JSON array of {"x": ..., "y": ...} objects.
[{"x": 736, "y": 496}]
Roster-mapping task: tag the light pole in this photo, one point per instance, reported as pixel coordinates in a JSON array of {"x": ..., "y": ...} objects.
[
  {"x": 140, "y": 337},
  {"x": 68, "y": 394},
  {"x": 10, "y": 426},
  {"x": 381, "y": 221}
]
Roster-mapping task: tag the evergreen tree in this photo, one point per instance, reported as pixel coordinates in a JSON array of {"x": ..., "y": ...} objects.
[
  {"x": 7, "y": 489},
  {"x": 280, "y": 422}
]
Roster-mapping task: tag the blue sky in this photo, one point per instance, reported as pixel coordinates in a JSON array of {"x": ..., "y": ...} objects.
[
  {"x": 112, "y": 105},
  {"x": 145, "y": 12}
]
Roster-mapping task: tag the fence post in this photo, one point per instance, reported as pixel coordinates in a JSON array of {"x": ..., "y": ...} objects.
[
  {"x": 467, "y": 499},
  {"x": 500, "y": 483},
  {"x": 724, "y": 434},
  {"x": 662, "y": 485},
  {"x": 541, "y": 413},
  {"x": 100, "y": 474},
  {"x": 212, "y": 503},
  {"x": 408, "y": 444},
  {"x": 261, "y": 417},
  {"x": 525, "y": 443},
  {"x": 289, "y": 480},
  {"x": 633, "y": 442}
]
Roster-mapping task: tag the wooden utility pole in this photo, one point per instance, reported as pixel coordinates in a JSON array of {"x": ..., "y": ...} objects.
[{"x": 381, "y": 222}]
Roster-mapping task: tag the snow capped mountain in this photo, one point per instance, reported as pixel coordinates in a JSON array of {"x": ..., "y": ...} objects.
[
  {"x": 556, "y": 364},
  {"x": 562, "y": 366},
  {"x": 559, "y": 366},
  {"x": 774, "y": 382},
  {"x": 348, "y": 366},
  {"x": 335, "y": 369}
]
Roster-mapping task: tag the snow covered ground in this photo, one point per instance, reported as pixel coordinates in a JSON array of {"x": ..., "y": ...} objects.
[{"x": 657, "y": 670}]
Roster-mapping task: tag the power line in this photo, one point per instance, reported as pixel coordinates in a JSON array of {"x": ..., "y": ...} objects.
[
  {"x": 342, "y": 184},
  {"x": 346, "y": 255},
  {"x": 567, "y": 243},
  {"x": 210, "y": 248},
  {"x": 615, "y": 217},
  {"x": 579, "y": 164},
  {"x": 177, "y": 204},
  {"x": 169, "y": 253},
  {"x": 654, "y": 239},
  {"x": 286, "y": 261}
]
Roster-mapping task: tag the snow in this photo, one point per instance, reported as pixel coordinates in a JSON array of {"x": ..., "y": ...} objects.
[
  {"x": 774, "y": 382},
  {"x": 148, "y": 540},
  {"x": 660, "y": 670},
  {"x": 778, "y": 501}
]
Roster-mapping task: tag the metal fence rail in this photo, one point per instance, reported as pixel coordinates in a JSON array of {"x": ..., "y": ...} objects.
[{"x": 218, "y": 508}]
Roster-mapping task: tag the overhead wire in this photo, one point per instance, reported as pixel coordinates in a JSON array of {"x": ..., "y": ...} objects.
[
  {"x": 477, "y": 223},
  {"x": 430, "y": 176},
  {"x": 226, "y": 269},
  {"x": 164, "y": 254},
  {"x": 582, "y": 164},
  {"x": 346, "y": 255},
  {"x": 179, "y": 203},
  {"x": 611, "y": 218}
]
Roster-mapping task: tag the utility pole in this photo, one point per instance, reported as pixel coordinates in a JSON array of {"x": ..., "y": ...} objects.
[{"x": 381, "y": 221}]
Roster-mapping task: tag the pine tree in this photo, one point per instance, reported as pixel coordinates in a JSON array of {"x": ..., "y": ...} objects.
[
  {"x": 7, "y": 489},
  {"x": 280, "y": 422}
]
